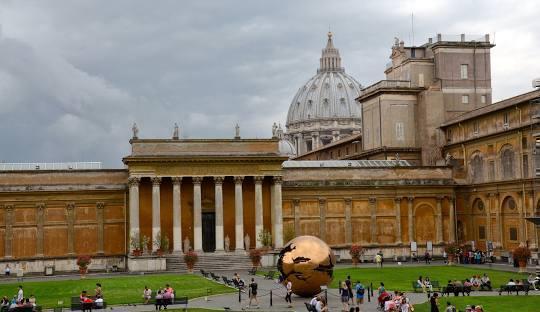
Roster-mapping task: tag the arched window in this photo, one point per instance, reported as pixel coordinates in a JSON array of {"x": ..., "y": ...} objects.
[
  {"x": 507, "y": 163},
  {"x": 477, "y": 168},
  {"x": 509, "y": 204}
]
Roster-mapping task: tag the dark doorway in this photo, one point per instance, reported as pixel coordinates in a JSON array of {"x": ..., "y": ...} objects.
[{"x": 209, "y": 231}]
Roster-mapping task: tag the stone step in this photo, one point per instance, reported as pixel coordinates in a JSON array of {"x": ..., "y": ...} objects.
[{"x": 211, "y": 263}]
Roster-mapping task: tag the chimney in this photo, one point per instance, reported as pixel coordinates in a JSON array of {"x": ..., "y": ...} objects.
[
  {"x": 462, "y": 37},
  {"x": 487, "y": 37},
  {"x": 439, "y": 37},
  {"x": 430, "y": 40}
]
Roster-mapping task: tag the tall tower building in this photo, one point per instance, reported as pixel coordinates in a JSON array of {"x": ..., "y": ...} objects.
[{"x": 324, "y": 108}]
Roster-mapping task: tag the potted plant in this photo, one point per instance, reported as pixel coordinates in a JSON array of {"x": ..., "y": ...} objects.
[
  {"x": 451, "y": 249},
  {"x": 265, "y": 238},
  {"x": 83, "y": 262},
  {"x": 355, "y": 251},
  {"x": 136, "y": 245},
  {"x": 256, "y": 256},
  {"x": 521, "y": 255},
  {"x": 190, "y": 258},
  {"x": 161, "y": 242}
]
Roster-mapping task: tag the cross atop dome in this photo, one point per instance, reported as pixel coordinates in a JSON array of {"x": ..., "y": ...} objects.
[{"x": 330, "y": 59}]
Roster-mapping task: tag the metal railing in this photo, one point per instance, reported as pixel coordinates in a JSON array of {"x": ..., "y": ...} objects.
[
  {"x": 385, "y": 84},
  {"x": 50, "y": 166}
]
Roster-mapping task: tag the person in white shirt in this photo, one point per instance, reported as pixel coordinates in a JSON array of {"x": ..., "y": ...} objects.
[
  {"x": 532, "y": 280},
  {"x": 147, "y": 294},
  {"x": 7, "y": 270},
  {"x": 511, "y": 283},
  {"x": 313, "y": 301},
  {"x": 20, "y": 294}
]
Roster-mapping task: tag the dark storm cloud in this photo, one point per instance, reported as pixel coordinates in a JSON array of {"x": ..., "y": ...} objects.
[{"x": 74, "y": 75}]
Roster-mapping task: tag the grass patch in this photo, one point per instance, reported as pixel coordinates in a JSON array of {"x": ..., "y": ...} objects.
[
  {"x": 492, "y": 304},
  {"x": 400, "y": 278},
  {"x": 117, "y": 290}
]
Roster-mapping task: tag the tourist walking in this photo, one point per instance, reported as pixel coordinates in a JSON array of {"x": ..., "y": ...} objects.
[
  {"x": 360, "y": 290},
  {"x": 253, "y": 293},
  {"x": 344, "y": 293},
  {"x": 349, "y": 288},
  {"x": 434, "y": 302},
  {"x": 289, "y": 293},
  {"x": 20, "y": 294}
]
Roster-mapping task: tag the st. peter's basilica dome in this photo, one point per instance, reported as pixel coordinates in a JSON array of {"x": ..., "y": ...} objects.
[{"x": 324, "y": 108}]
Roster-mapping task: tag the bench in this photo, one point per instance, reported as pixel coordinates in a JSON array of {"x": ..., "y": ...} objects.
[
  {"x": 76, "y": 304},
  {"x": 214, "y": 277},
  {"x": 226, "y": 281},
  {"x": 435, "y": 285},
  {"x": 20, "y": 309},
  {"x": 252, "y": 271},
  {"x": 417, "y": 287},
  {"x": 447, "y": 290},
  {"x": 517, "y": 288},
  {"x": 270, "y": 275}
]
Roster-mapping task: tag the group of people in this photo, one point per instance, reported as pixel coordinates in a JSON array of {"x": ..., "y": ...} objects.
[
  {"x": 88, "y": 302},
  {"x": 351, "y": 296},
  {"x": 472, "y": 257},
  {"x": 393, "y": 302},
  {"x": 425, "y": 284},
  {"x": 164, "y": 296},
  {"x": 18, "y": 302},
  {"x": 475, "y": 282},
  {"x": 319, "y": 303}
]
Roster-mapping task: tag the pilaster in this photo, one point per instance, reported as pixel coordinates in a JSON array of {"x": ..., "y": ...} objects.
[
  {"x": 348, "y": 223},
  {"x": 322, "y": 223},
  {"x": 373, "y": 211},
  {"x": 100, "y": 206},
  {"x": 70, "y": 218},
  {"x": 40, "y": 218}
]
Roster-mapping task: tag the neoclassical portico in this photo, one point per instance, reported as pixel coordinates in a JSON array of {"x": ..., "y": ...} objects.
[{"x": 211, "y": 193}]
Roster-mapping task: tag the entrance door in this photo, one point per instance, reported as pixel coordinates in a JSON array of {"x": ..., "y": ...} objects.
[{"x": 209, "y": 231}]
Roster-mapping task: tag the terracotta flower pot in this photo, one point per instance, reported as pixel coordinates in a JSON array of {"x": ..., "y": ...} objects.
[
  {"x": 522, "y": 265},
  {"x": 137, "y": 252},
  {"x": 355, "y": 260}
]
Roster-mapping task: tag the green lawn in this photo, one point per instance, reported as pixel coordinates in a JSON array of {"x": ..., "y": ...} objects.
[
  {"x": 117, "y": 290},
  {"x": 490, "y": 304},
  {"x": 400, "y": 278}
]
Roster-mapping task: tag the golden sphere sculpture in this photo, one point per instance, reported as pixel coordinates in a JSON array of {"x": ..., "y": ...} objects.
[{"x": 308, "y": 263}]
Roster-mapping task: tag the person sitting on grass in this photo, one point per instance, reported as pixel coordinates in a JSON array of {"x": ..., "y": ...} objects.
[
  {"x": 449, "y": 307},
  {"x": 485, "y": 282},
  {"x": 147, "y": 294}
]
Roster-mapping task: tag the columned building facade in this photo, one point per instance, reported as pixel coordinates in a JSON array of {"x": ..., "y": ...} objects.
[{"x": 206, "y": 195}]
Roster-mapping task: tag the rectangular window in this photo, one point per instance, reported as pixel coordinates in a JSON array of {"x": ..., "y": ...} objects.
[
  {"x": 525, "y": 166},
  {"x": 491, "y": 170},
  {"x": 449, "y": 135},
  {"x": 331, "y": 155},
  {"x": 505, "y": 119},
  {"x": 490, "y": 149},
  {"x": 513, "y": 234},
  {"x": 476, "y": 127},
  {"x": 464, "y": 71},
  {"x": 420, "y": 80},
  {"x": 524, "y": 143},
  {"x": 346, "y": 151},
  {"x": 465, "y": 99},
  {"x": 481, "y": 232},
  {"x": 356, "y": 148},
  {"x": 400, "y": 135},
  {"x": 483, "y": 99},
  {"x": 339, "y": 153}
]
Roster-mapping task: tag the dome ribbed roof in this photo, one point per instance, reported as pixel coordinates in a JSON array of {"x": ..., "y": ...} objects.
[{"x": 330, "y": 94}]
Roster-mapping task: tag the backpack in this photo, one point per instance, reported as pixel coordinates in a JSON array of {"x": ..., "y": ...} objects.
[{"x": 360, "y": 291}]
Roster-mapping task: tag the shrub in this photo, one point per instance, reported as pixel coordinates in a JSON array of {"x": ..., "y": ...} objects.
[
  {"x": 256, "y": 256},
  {"x": 355, "y": 251},
  {"x": 522, "y": 253},
  {"x": 83, "y": 261},
  {"x": 452, "y": 248}
]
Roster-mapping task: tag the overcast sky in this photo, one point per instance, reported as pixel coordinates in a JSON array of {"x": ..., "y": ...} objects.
[{"x": 75, "y": 75}]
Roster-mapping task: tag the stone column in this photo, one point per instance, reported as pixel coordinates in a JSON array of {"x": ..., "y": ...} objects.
[
  {"x": 489, "y": 236},
  {"x": 70, "y": 218},
  {"x": 373, "y": 210},
  {"x": 8, "y": 233},
  {"x": 218, "y": 195},
  {"x": 520, "y": 206},
  {"x": 499, "y": 237},
  {"x": 197, "y": 214},
  {"x": 259, "y": 225},
  {"x": 278, "y": 213},
  {"x": 410, "y": 201},
  {"x": 134, "y": 206},
  {"x": 439, "y": 219},
  {"x": 296, "y": 208},
  {"x": 322, "y": 223},
  {"x": 315, "y": 139},
  {"x": 177, "y": 214},
  {"x": 100, "y": 227},
  {"x": 40, "y": 218},
  {"x": 156, "y": 214},
  {"x": 397, "y": 205},
  {"x": 348, "y": 223},
  {"x": 452, "y": 220},
  {"x": 238, "y": 213}
]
